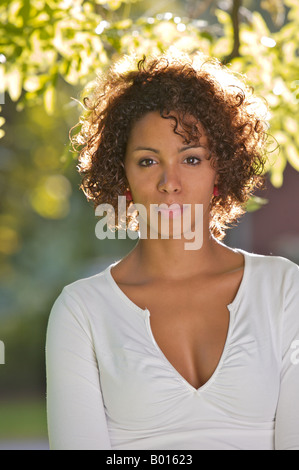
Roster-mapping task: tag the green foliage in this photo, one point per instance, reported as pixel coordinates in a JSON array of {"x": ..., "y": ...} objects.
[
  {"x": 270, "y": 61},
  {"x": 43, "y": 42},
  {"x": 23, "y": 420},
  {"x": 255, "y": 203}
]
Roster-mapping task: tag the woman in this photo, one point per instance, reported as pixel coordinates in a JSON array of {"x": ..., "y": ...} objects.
[{"x": 175, "y": 348}]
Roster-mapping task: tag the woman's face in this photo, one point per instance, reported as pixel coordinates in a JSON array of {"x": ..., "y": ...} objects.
[{"x": 160, "y": 168}]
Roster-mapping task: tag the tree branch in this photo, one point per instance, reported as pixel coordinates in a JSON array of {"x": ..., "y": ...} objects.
[{"x": 236, "y": 27}]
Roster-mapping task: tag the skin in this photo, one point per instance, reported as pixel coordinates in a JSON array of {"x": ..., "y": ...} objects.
[
  {"x": 177, "y": 285},
  {"x": 169, "y": 173}
]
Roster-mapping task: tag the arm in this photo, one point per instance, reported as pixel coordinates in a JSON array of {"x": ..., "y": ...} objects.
[
  {"x": 287, "y": 415},
  {"x": 75, "y": 410}
]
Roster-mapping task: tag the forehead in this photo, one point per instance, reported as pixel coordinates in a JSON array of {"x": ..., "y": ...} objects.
[{"x": 153, "y": 126}]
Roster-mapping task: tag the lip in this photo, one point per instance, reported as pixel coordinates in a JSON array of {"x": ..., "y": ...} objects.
[{"x": 169, "y": 212}]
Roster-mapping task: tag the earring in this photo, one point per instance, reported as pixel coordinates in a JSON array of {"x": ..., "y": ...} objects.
[
  {"x": 128, "y": 195},
  {"x": 216, "y": 190}
]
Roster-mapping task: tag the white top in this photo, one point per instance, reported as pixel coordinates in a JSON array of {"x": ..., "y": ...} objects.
[{"x": 111, "y": 387}]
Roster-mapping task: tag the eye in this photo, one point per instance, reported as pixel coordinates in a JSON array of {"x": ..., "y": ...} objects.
[
  {"x": 146, "y": 162},
  {"x": 193, "y": 161}
]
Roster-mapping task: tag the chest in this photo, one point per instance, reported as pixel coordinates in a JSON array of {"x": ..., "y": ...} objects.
[
  {"x": 189, "y": 322},
  {"x": 166, "y": 385}
]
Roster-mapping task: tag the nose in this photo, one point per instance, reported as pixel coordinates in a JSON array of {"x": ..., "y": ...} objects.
[{"x": 169, "y": 182}]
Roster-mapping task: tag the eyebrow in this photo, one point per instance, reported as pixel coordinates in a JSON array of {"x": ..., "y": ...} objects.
[
  {"x": 183, "y": 149},
  {"x": 146, "y": 148},
  {"x": 192, "y": 147}
]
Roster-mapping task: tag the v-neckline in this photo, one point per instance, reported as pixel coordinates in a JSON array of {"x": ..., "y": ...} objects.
[
  {"x": 176, "y": 372},
  {"x": 146, "y": 314}
]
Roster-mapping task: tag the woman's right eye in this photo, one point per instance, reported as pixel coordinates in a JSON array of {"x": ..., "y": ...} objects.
[{"x": 146, "y": 162}]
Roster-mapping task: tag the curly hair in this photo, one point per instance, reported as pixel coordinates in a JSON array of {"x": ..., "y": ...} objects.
[{"x": 234, "y": 120}]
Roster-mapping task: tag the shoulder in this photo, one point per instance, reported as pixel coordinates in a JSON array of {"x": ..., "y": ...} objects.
[
  {"x": 271, "y": 266},
  {"x": 79, "y": 299},
  {"x": 272, "y": 282},
  {"x": 272, "y": 292},
  {"x": 93, "y": 287}
]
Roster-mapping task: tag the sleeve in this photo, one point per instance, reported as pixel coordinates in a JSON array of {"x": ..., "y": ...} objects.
[
  {"x": 75, "y": 409},
  {"x": 287, "y": 414}
]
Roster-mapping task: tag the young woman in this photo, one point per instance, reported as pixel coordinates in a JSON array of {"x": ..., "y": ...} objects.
[{"x": 175, "y": 348}]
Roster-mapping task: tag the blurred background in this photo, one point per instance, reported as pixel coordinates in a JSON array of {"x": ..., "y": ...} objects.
[{"x": 49, "y": 51}]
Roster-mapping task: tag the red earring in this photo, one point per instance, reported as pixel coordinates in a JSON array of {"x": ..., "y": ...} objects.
[
  {"x": 128, "y": 195},
  {"x": 216, "y": 190}
]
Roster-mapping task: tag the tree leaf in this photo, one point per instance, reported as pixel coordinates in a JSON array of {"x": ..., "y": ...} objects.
[
  {"x": 49, "y": 100},
  {"x": 255, "y": 203},
  {"x": 14, "y": 83}
]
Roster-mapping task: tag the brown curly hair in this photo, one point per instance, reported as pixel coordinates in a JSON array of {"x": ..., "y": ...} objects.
[{"x": 233, "y": 118}]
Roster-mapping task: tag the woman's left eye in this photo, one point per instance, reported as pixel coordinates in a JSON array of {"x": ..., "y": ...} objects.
[{"x": 193, "y": 160}]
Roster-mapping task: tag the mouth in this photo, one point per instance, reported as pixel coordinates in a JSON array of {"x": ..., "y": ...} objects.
[{"x": 175, "y": 211}]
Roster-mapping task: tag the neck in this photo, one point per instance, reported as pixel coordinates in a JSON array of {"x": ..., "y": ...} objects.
[{"x": 169, "y": 258}]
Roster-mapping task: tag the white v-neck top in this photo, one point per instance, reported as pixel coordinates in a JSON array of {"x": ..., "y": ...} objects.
[{"x": 109, "y": 386}]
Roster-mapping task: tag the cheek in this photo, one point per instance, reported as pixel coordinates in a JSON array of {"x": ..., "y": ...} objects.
[
  {"x": 142, "y": 190},
  {"x": 139, "y": 183},
  {"x": 201, "y": 185}
]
